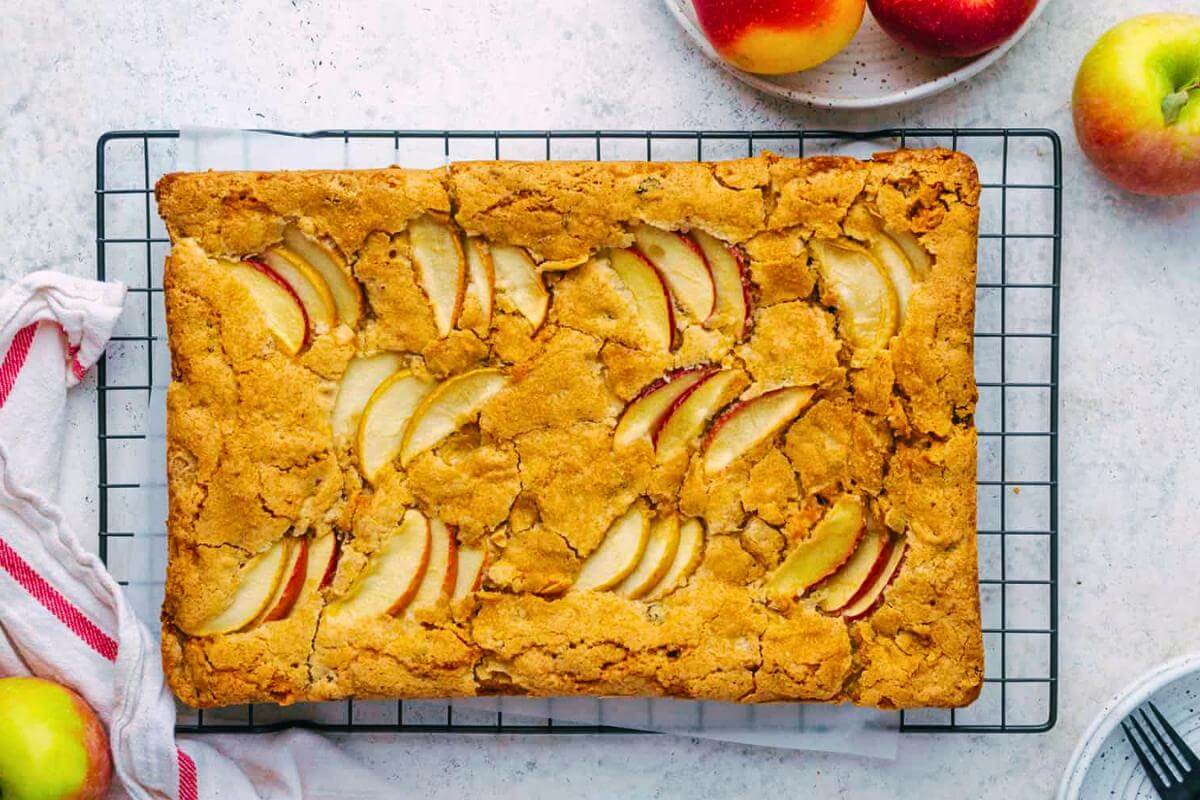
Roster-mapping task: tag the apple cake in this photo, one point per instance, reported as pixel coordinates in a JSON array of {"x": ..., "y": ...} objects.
[{"x": 697, "y": 430}]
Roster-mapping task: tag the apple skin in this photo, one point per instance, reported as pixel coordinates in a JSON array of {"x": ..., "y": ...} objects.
[
  {"x": 1118, "y": 104},
  {"x": 773, "y": 37},
  {"x": 951, "y": 28},
  {"x": 51, "y": 743}
]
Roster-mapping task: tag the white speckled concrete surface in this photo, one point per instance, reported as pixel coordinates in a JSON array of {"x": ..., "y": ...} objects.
[{"x": 73, "y": 69}]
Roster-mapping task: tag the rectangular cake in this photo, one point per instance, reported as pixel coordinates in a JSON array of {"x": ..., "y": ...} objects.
[{"x": 696, "y": 430}]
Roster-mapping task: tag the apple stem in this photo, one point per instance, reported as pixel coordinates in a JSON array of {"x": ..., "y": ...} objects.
[{"x": 1173, "y": 103}]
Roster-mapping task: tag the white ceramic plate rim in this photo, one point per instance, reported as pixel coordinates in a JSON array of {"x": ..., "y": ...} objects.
[
  {"x": 927, "y": 89},
  {"x": 1119, "y": 707}
]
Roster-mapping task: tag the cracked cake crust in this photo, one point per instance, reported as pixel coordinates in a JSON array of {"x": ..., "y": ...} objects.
[{"x": 532, "y": 479}]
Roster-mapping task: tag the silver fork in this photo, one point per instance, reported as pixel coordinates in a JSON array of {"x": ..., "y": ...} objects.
[{"x": 1172, "y": 779}]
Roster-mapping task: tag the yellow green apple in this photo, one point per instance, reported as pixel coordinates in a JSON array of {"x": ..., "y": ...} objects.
[
  {"x": 52, "y": 744},
  {"x": 771, "y": 37},
  {"x": 1137, "y": 104}
]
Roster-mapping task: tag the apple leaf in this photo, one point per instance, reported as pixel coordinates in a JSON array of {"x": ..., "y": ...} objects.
[{"x": 1172, "y": 104}]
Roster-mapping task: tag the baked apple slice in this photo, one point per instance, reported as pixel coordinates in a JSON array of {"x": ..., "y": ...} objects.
[
  {"x": 866, "y": 300},
  {"x": 731, "y": 280},
  {"x": 661, "y": 546},
  {"x": 902, "y": 274},
  {"x": 518, "y": 279},
  {"x": 441, "y": 269},
  {"x": 325, "y": 260},
  {"x": 619, "y": 553},
  {"x": 870, "y": 598},
  {"x": 685, "y": 420},
  {"x": 454, "y": 403},
  {"x": 323, "y": 555},
  {"x": 746, "y": 424},
  {"x": 386, "y": 419},
  {"x": 321, "y": 562},
  {"x": 829, "y": 545},
  {"x": 472, "y": 561},
  {"x": 687, "y": 557},
  {"x": 441, "y": 573},
  {"x": 563, "y": 264},
  {"x": 308, "y": 285},
  {"x": 857, "y": 575},
  {"x": 481, "y": 280},
  {"x": 645, "y": 412},
  {"x": 390, "y": 579},
  {"x": 683, "y": 266},
  {"x": 258, "y": 584},
  {"x": 918, "y": 257},
  {"x": 290, "y": 584},
  {"x": 360, "y": 380},
  {"x": 281, "y": 309},
  {"x": 650, "y": 295}
]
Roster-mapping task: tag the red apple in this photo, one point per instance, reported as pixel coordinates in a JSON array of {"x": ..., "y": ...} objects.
[
  {"x": 951, "y": 28},
  {"x": 771, "y": 37},
  {"x": 1137, "y": 104},
  {"x": 52, "y": 744}
]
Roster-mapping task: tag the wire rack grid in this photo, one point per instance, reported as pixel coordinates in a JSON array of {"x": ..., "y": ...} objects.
[{"x": 1016, "y": 359}]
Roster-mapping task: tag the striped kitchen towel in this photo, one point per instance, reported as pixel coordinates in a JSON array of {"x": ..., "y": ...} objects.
[{"x": 63, "y": 617}]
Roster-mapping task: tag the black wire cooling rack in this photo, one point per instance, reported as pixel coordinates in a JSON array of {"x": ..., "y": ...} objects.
[{"x": 1016, "y": 359}]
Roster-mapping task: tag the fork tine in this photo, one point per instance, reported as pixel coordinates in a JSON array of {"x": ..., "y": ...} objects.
[
  {"x": 1176, "y": 739},
  {"x": 1147, "y": 765},
  {"x": 1162, "y": 746}
]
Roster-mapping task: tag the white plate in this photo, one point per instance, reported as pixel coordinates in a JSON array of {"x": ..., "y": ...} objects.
[
  {"x": 872, "y": 72},
  {"x": 1104, "y": 765}
]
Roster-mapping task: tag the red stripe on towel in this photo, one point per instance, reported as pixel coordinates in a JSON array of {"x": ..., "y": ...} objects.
[
  {"x": 54, "y": 602},
  {"x": 14, "y": 359},
  {"x": 187, "y": 777}
]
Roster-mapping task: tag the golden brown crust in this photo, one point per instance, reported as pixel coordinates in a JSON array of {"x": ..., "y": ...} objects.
[{"x": 535, "y": 479}]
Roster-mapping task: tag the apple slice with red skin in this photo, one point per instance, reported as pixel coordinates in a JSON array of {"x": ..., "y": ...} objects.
[
  {"x": 472, "y": 562},
  {"x": 747, "y": 423},
  {"x": 650, "y": 295},
  {"x": 390, "y": 579},
  {"x": 687, "y": 557},
  {"x": 308, "y": 286},
  {"x": 645, "y": 412},
  {"x": 331, "y": 568},
  {"x": 281, "y": 308},
  {"x": 871, "y": 597},
  {"x": 324, "y": 552},
  {"x": 441, "y": 268},
  {"x": 830, "y": 544},
  {"x": 686, "y": 418},
  {"x": 618, "y": 554},
  {"x": 290, "y": 585},
  {"x": 846, "y": 585},
  {"x": 258, "y": 583},
  {"x": 732, "y": 281},
  {"x": 683, "y": 266},
  {"x": 320, "y": 569},
  {"x": 346, "y": 294},
  {"x": 440, "y": 575},
  {"x": 517, "y": 278}
]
